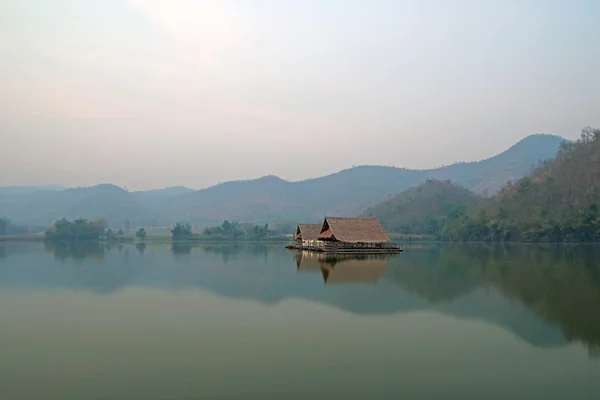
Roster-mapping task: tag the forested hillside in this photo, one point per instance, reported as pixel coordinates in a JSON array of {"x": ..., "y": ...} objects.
[
  {"x": 423, "y": 209},
  {"x": 558, "y": 202}
]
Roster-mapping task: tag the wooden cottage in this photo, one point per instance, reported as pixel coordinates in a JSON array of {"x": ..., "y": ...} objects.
[
  {"x": 307, "y": 234},
  {"x": 354, "y": 235},
  {"x": 343, "y": 235}
]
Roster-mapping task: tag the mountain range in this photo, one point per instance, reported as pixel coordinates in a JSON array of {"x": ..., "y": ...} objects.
[{"x": 267, "y": 199}]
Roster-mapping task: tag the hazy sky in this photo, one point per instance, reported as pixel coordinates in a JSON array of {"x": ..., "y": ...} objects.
[{"x": 152, "y": 93}]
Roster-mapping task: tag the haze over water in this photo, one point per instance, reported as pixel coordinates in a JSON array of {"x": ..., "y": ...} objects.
[{"x": 225, "y": 321}]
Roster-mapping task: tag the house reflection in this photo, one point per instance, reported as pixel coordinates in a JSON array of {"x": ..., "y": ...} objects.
[
  {"x": 344, "y": 268},
  {"x": 307, "y": 261}
]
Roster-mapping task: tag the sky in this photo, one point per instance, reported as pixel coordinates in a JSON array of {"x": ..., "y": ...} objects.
[{"x": 153, "y": 93}]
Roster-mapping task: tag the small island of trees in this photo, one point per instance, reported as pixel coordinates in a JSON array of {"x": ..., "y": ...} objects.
[
  {"x": 236, "y": 231},
  {"x": 182, "y": 231},
  {"x": 80, "y": 229},
  {"x": 83, "y": 229},
  {"x": 141, "y": 234}
]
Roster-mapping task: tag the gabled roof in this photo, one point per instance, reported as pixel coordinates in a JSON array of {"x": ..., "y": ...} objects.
[
  {"x": 353, "y": 230},
  {"x": 308, "y": 231}
]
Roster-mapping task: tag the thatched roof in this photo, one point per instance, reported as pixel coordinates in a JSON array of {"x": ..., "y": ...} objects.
[
  {"x": 308, "y": 231},
  {"x": 353, "y": 230}
]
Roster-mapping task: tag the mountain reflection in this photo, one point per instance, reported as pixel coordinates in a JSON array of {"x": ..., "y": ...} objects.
[{"x": 547, "y": 295}]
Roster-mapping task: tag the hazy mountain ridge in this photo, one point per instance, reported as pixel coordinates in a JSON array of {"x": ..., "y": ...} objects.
[
  {"x": 512, "y": 164},
  {"x": 267, "y": 199},
  {"x": 351, "y": 191},
  {"x": 156, "y": 198},
  {"x": 4, "y": 190},
  {"x": 44, "y": 207}
]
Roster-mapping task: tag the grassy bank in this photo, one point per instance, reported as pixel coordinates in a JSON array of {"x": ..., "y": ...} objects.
[
  {"x": 402, "y": 237},
  {"x": 22, "y": 237}
]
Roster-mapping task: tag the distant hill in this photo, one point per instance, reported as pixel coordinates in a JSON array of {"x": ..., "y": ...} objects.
[
  {"x": 418, "y": 210},
  {"x": 8, "y": 190},
  {"x": 491, "y": 174},
  {"x": 154, "y": 199},
  {"x": 44, "y": 207},
  {"x": 269, "y": 199}
]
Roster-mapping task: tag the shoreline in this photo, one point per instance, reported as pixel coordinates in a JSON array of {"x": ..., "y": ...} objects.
[{"x": 133, "y": 240}]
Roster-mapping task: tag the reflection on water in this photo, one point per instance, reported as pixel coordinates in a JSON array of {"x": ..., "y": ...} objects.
[
  {"x": 140, "y": 247},
  {"x": 78, "y": 251},
  {"x": 559, "y": 284},
  {"x": 344, "y": 268},
  {"x": 546, "y": 297},
  {"x": 307, "y": 261},
  {"x": 181, "y": 249}
]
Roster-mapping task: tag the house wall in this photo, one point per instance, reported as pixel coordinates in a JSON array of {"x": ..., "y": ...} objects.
[{"x": 312, "y": 243}]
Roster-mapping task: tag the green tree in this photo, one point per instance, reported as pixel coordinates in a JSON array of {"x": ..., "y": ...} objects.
[
  {"x": 141, "y": 233},
  {"x": 226, "y": 227},
  {"x": 100, "y": 224},
  {"x": 80, "y": 229},
  {"x": 181, "y": 231}
]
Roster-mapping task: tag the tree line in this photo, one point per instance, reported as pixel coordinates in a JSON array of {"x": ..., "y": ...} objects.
[
  {"x": 226, "y": 231},
  {"x": 83, "y": 229},
  {"x": 7, "y": 227},
  {"x": 79, "y": 229}
]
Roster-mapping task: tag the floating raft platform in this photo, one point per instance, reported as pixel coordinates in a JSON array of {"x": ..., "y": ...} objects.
[{"x": 346, "y": 250}]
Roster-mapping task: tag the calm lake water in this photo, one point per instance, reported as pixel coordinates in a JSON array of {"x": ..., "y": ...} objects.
[{"x": 225, "y": 321}]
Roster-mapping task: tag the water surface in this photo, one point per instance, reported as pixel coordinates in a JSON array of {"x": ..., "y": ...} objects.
[{"x": 227, "y": 321}]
